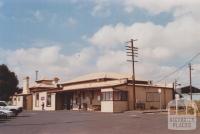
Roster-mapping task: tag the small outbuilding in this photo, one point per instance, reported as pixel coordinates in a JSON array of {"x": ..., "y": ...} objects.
[{"x": 185, "y": 92}]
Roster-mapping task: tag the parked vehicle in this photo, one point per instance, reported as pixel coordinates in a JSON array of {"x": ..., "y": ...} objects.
[
  {"x": 8, "y": 113},
  {"x": 15, "y": 109},
  {"x": 3, "y": 115}
]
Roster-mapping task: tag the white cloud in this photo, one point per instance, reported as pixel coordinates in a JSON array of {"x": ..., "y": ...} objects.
[
  {"x": 48, "y": 60},
  {"x": 161, "y": 48},
  {"x": 176, "y": 7},
  {"x": 152, "y": 6},
  {"x": 158, "y": 53},
  {"x": 38, "y": 16},
  {"x": 101, "y": 8},
  {"x": 71, "y": 22},
  {"x": 175, "y": 35},
  {"x": 112, "y": 61}
]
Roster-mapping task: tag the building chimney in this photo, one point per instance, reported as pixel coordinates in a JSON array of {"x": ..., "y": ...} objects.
[
  {"x": 150, "y": 82},
  {"x": 26, "y": 85},
  {"x": 55, "y": 81}
]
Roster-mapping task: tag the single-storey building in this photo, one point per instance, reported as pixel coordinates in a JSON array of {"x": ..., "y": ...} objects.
[{"x": 105, "y": 92}]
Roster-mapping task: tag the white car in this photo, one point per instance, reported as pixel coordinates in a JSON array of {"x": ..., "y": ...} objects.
[
  {"x": 3, "y": 115},
  {"x": 15, "y": 109},
  {"x": 8, "y": 113}
]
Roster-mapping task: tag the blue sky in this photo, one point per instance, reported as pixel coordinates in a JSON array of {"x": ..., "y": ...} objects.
[
  {"x": 24, "y": 22},
  {"x": 70, "y": 37}
]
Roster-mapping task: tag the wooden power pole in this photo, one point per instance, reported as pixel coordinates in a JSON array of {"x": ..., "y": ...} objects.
[
  {"x": 132, "y": 52},
  {"x": 190, "y": 70}
]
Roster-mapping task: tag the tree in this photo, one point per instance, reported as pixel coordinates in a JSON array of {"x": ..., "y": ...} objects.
[{"x": 8, "y": 83}]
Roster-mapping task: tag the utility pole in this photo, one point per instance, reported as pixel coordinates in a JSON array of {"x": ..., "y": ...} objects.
[
  {"x": 175, "y": 84},
  {"x": 132, "y": 52},
  {"x": 165, "y": 95},
  {"x": 36, "y": 75},
  {"x": 190, "y": 70}
]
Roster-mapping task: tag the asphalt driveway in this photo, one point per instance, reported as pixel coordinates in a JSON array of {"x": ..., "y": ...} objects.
[{"x": 71, "y": 122}]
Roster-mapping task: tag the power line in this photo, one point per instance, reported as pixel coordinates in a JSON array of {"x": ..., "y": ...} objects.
[{"x": 178, "y": 69}]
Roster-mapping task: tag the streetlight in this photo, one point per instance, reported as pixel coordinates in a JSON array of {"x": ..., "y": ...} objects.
[{"x": 160, "y": 91}]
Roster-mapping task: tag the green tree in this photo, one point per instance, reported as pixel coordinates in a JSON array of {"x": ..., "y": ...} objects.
[{"x": 8, "y": 82}]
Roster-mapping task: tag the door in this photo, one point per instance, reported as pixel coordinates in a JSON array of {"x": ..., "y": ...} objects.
[{"x": 67, "y": 100}]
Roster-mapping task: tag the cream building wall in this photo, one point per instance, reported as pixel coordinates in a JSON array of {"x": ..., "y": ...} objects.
[
  {"x": 113, "y": 106},
  {"x": 43, "y": 98},
  {"x": 106, "y": 106},
  {"x": 17, "y": 101},
  {"x": 141, "y": 96}
]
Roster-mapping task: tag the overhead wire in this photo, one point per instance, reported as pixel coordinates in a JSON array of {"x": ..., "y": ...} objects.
[{"x": 178, "y": 69}]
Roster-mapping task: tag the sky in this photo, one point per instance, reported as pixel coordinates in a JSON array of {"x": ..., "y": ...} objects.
[{"x": 69, "y": 38}]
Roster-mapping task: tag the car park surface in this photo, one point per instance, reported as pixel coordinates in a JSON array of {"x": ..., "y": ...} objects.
[{"x": 72, "y": 122}]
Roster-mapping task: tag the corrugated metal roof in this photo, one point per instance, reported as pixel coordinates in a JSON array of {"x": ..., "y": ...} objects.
[
  {"x": 93, "y": 76},
  {"x": 103, "y": 84}
]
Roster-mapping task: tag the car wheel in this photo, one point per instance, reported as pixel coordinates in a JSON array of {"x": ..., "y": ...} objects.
[{"x": 14, "y": 111}]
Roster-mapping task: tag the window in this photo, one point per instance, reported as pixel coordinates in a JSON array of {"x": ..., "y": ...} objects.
[
  {"x": 107, "y": 96},
  {"x": 18, "y": 98},
  {"x": 114, "y": 96},
  {"x": 117, "y": 96},
  {"x": 48, "y": 99},
  {"x": 2, "y": 104},
  {"x": 37, "y": 100},
  {"x": 152, "y": 97},
  {"x": 124, "y": 96},
  {"x": 120, "y": 95}
]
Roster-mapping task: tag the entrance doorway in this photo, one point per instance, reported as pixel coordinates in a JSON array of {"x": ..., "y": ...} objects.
[
  {"x": 27, "y": 102},
  {"x": 68, "y": 100},
  {"x": 64, "y": 100}
]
